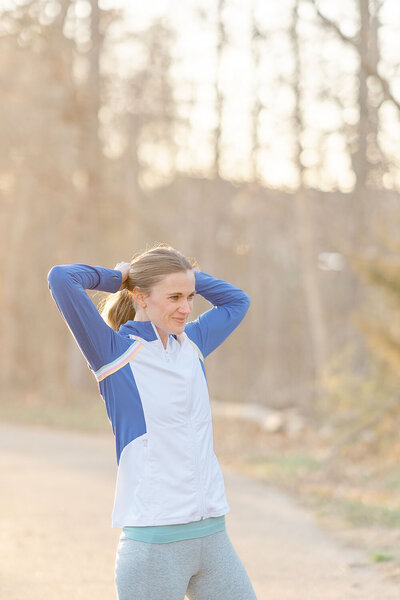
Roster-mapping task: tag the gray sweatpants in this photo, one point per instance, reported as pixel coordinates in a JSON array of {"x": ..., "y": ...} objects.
[{"x": 205, "y": 568}]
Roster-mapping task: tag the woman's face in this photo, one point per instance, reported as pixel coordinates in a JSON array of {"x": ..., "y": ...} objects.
[{"x": 170, "y": 302}]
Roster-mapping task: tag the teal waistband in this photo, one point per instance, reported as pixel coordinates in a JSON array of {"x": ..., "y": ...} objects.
[{"x": 161, "y": 534}]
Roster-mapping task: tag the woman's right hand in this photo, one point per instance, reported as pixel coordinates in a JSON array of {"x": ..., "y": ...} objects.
[{"x": 124, "y": 268}]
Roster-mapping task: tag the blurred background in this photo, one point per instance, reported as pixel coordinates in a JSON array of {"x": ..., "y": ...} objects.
[{"x": 260, "y": 137}]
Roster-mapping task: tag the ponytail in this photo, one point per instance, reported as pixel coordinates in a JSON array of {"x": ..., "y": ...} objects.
[{"x": 118, "y": 308}]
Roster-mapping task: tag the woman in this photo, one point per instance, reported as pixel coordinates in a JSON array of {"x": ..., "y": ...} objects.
[{"x": 149, "y": 362}]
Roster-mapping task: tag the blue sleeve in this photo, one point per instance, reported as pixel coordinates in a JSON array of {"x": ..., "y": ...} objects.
[
  {"x": 67, "y": 284},
  {"x": 230, "y": 306}
]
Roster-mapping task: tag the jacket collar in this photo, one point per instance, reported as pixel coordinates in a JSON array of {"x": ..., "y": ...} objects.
[{"x": 143, "y": 329}]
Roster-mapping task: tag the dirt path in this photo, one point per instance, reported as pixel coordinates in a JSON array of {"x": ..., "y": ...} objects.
[{"x": 56, "y": 539}]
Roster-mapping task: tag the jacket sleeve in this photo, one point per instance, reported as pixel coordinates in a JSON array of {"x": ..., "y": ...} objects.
[
  {"x": 230, "y": 306},
  {"x": 67, "y": 284}
]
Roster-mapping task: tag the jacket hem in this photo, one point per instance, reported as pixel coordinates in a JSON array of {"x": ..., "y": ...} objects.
[{"x": 126, "y": 522}]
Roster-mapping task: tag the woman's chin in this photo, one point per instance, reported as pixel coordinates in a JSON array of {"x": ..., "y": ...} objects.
[{"x": 178, "y": 327}]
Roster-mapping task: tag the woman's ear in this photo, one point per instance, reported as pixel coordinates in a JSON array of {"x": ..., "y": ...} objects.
[{"x": 139, "y": 297}]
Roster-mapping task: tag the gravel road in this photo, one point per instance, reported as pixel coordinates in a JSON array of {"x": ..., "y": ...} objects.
[{"x": 56, "y": 540}]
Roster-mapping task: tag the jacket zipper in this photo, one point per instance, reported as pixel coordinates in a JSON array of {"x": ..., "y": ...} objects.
[
  {"x": 197, "y": 461},
  {"x": 198, "y": 475}
]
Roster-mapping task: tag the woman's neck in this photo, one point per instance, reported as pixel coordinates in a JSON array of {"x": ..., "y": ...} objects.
[{"x": 141, "y": 315}]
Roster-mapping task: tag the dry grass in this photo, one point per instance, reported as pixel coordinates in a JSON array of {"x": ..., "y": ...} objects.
[{"x": 356, "y": 495}]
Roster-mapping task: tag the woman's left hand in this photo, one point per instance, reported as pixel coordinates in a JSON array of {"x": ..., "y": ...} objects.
[{"x": 124, "y": 268}]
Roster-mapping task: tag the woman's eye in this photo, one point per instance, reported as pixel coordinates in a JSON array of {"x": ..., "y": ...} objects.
[{"x": 177, "y": 297}]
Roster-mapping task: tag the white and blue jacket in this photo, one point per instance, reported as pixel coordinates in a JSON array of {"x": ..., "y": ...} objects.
[{"x": 157, "y": 399}]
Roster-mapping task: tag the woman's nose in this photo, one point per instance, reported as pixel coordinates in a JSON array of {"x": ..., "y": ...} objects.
[{"x": 185, "y": 307}]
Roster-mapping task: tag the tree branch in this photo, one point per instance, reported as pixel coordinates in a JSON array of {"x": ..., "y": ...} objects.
[{"x": 365, "y": 64}]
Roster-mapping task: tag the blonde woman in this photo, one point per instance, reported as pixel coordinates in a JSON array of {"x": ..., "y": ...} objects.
[{"x": 148, "y": 359}]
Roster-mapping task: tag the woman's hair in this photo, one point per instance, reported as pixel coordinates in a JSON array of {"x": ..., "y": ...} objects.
[{"x": 147, "y": 269}]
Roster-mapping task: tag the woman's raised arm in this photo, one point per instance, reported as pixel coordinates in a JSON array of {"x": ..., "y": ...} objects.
[
  {"x": 67, "y": 284},
  {"x": 213, "y": 326}
]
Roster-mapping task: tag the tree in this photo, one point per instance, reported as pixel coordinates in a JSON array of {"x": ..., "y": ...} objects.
[
  {"x": 218, "y": 93},
  {"x": 304, "y": 220}
]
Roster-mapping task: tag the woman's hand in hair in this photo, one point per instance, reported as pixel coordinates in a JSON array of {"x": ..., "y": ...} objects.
[{"x": 124, "y": 268}]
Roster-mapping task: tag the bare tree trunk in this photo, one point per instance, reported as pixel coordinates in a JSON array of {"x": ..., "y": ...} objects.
[
  {"x": 305, "y": 229},
  {"x": 257, "y": 107},
  {"x": 93, "y": 149},
  {"x": 374, "y": 155},
  {"x": 89, "y": 208},
  {"x": 221, "y": 40},
  {"x": 311, "y": 290},
  {"x": 132, "y": 188},
  {"x": 12, "y": 286},
  {"x": 360, "y": 160},
  {"x": 263, "y": 308}
]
